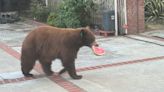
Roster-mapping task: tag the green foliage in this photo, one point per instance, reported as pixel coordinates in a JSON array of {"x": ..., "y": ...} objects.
[
  {"x": 154, "y": 10},
  {"x": 72, "y": 13},
  {"x": 57, "y": 20},
  {"x": 39, "y": 11}
]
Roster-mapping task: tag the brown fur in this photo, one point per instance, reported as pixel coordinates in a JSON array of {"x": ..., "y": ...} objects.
[{"x": 49, "y": 43}]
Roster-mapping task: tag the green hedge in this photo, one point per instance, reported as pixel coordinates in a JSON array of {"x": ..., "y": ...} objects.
[
  {"x": 72, "y": 13},
  {"x": 38, "y": 10}
]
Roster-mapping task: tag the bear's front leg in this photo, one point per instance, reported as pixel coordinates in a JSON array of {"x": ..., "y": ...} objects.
[
  {"x": 68, "y": 62},
  {"x": 72, "y": 71},
  {"x": 69, "y": 65}
]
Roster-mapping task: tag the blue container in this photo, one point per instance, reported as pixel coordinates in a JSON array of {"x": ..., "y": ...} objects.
[{"x": 109, "y": 21}]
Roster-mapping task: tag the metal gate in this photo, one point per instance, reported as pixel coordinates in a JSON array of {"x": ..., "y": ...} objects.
[
  {"x": 104, "y": 16},
  {"x": 121, "y": 17}
]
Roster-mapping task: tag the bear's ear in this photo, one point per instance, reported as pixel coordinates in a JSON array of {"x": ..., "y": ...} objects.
[{"x": 82, "y": 33}]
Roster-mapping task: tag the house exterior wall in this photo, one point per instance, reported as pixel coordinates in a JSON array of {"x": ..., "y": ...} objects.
[{"x": 135, "y": 16}]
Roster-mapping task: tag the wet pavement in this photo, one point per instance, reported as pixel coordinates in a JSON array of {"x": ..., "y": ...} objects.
[{"x": 132, "y": 63}]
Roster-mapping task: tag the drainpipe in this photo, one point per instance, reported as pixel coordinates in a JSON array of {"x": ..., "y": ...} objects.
[
  {"x": 46, "y": 1},
  {"x": 126, "y": 21},
  {"x": 116, "y": 18}
]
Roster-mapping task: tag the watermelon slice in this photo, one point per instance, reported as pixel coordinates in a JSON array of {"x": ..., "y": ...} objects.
[{"x": 98, "y": 51}]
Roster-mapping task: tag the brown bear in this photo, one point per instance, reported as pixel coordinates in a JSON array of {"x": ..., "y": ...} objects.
[{"x": 48, "y": 43}]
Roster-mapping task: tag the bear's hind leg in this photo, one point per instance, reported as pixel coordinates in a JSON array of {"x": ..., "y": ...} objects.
[
  {"x": 62, "y": 71},
  {"x": 46, "y": 65},
  {"x": 26, "y": 66}
]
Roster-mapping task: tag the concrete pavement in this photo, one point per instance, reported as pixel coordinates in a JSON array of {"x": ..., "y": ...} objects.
[{"x": 132, "y": 63}]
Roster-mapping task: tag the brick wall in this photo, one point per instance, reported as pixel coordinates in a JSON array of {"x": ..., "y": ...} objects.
[{"x": 135, "y": 16}]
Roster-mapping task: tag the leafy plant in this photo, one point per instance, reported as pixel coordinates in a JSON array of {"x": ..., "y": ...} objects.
[
  {"x": 72, "y": 13},
  {"x": 154, "y": 10},
  {"x": 39, "y": 11}
]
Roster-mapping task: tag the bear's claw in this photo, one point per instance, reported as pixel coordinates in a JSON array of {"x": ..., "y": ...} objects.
[
  {"x": 77, "y": 77},
  {"x": 28, "y": 75}
]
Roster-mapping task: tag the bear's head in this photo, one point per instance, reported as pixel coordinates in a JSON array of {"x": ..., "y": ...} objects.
[{"x": 88, "y": 37}]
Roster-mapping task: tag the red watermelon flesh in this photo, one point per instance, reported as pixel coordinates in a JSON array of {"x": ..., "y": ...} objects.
[{"x": 98, "y": 50}]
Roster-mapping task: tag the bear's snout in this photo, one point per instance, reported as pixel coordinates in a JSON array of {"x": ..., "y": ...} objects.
[{"x": 94, "y": 44}]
